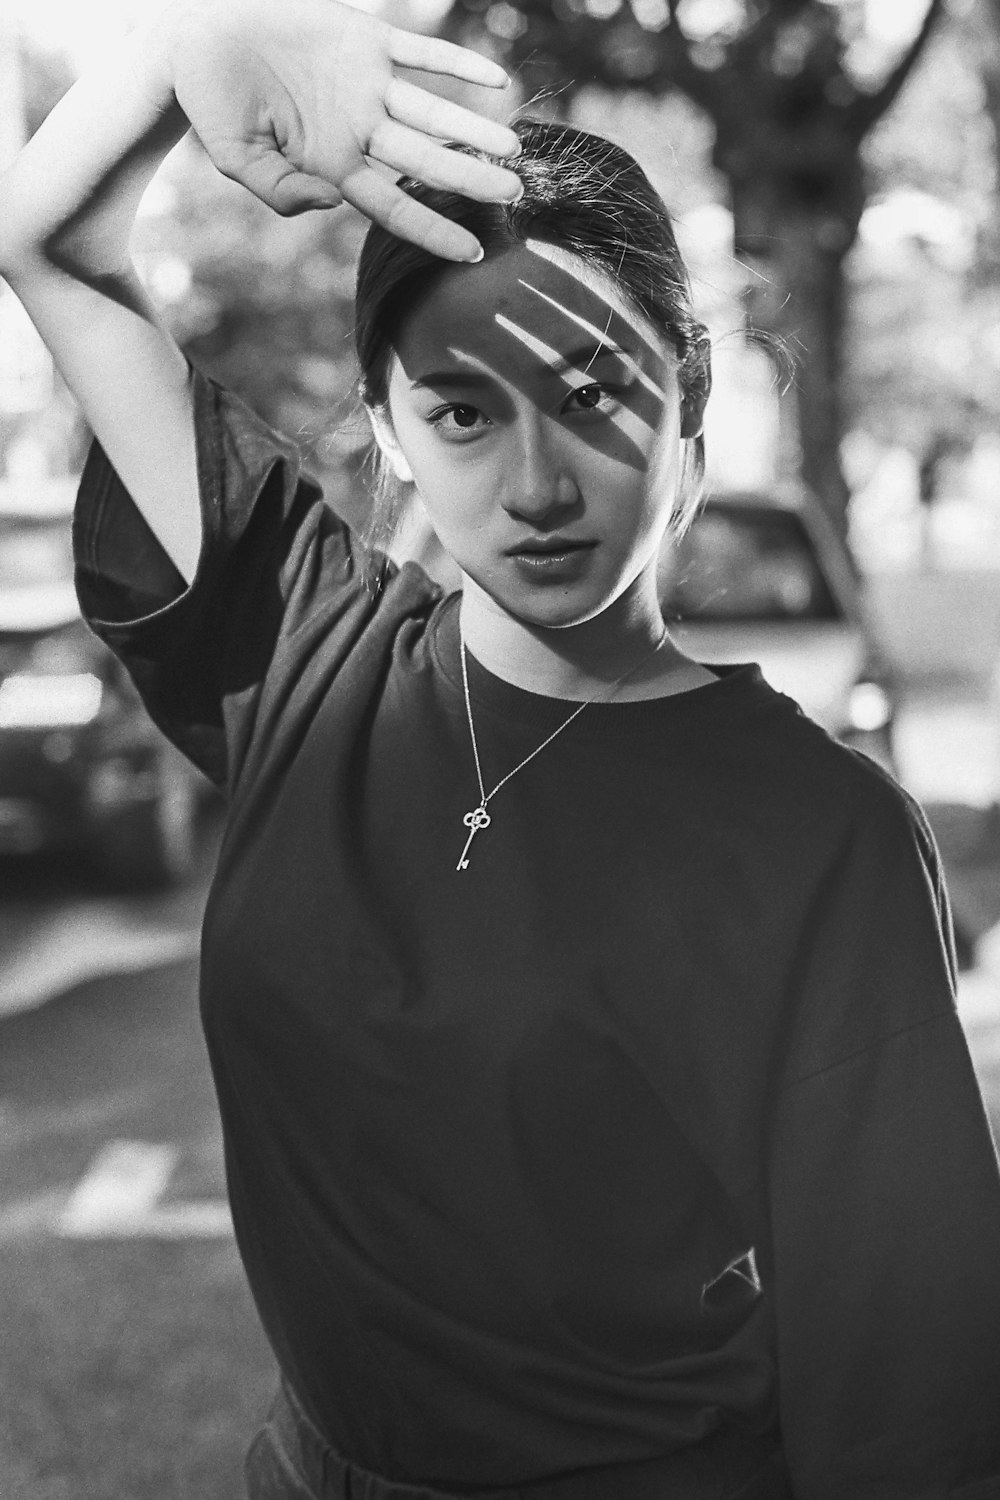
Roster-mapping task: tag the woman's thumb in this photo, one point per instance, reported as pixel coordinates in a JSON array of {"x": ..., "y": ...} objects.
[{"x": 272, "y": 178}]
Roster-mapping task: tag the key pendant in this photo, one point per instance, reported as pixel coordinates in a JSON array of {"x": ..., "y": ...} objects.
[{"x": 474, "y": 821}]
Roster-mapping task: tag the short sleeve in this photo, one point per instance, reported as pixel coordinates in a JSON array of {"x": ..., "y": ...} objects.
[
  {"x": 885, "y": 1195},
  {"x": 279, "y": 577}
]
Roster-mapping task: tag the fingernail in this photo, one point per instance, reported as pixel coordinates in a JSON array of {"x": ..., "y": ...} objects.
[
  {"x": 493, "y": 76},
  {"x": 476, "y": 257}
]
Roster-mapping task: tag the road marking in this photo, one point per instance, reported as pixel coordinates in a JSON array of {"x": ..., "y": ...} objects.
[
  {"x": 89, "y": 940},
  {"x": 119, "y": 1198}
]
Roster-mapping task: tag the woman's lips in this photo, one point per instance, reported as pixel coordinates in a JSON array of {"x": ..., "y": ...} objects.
[
  {"x": 555, "y": 558},
  {"x": 552, "y": 546}
]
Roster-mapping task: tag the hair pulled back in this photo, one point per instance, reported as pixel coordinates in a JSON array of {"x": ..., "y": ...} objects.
[{"x": 581, "y": 192}]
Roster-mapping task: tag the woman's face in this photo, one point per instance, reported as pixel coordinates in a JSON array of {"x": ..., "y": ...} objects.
[{"x": 540, "y": 418}]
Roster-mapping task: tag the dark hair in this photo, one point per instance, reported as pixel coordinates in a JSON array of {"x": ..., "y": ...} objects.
[{"x": 581, "y": 192}]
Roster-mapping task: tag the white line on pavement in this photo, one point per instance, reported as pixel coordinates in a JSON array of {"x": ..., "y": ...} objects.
[
  {"x": 86, "y": 941},
  {"x": 119, "y": 1198}
]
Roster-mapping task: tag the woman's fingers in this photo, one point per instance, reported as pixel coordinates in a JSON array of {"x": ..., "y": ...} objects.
[
  {"x": 432, "y": 55},
  {"x": 273, "y": 179},
  {"x": 295, "y": 103},
  {"x": 449, "y": 122},
  {"x": 297, "y": 193},
  {"x": 402, "y": 215},
  {"x": 410, "y": 151}
]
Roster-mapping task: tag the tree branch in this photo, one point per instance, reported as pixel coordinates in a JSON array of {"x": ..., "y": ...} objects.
[
  {"x": 700, "y": 84},
  {"x": 866, "y": 109},
  {"x": 777, "y": 13}
]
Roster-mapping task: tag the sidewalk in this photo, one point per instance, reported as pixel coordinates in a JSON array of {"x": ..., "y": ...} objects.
[{"x": 948, "y": 744}]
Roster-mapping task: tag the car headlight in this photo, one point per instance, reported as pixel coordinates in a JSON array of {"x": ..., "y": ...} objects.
[
  {"x": 49, "y": 700},
  {"x": 869, "y": 707}
]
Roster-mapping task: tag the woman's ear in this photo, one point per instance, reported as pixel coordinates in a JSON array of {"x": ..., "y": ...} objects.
[
  {"x": 696, "y": 383},
  {"x": 693, "y": 413},
  {"x": 388, "y": 443}
]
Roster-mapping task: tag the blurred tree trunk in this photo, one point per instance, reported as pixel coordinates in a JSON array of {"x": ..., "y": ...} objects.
[
  {"x": 984, "y": 25},
  {"x": 794, "y": 167},
  {"x": 790, "y": 126},
  {"x": 810, "y": 318},
  {"x": 985, "y": 18}
]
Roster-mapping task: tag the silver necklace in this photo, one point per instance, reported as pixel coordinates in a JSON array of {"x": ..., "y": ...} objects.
[{"x": 478, "y": 818}]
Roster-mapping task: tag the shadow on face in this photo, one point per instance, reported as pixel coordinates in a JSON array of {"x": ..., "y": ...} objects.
[{"x": 525, "y": 320}]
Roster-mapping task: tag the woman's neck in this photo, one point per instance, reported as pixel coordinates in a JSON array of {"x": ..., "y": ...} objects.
[{"x": 580, "y": 661}]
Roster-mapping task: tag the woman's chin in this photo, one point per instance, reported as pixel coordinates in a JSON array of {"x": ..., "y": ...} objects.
[
  {"x": 549, "y": 607},
  {"x": 548, "y": 610}
]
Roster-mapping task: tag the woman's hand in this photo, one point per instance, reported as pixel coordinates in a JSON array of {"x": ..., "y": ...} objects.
[{"x": 298, "y": 100}]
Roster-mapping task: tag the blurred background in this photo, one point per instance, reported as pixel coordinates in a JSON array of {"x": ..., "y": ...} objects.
[{"x": 833, "y": 169}]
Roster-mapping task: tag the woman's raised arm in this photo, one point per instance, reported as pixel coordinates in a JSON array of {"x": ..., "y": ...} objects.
[{"x": 299, "y": 103}]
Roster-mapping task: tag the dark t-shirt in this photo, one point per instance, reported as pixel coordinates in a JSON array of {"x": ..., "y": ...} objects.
[{"x": 656, "y": 1119}]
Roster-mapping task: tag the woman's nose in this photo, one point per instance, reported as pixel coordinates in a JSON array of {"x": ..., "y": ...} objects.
[{"x": 540, "y": 481}]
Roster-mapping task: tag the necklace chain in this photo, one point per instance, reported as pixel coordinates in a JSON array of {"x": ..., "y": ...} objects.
[{"x": 478, "y": 818}]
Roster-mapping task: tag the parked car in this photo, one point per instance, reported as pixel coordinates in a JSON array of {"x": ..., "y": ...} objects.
[
  {"x": 81, "y": 765},
  {"x": 763, "y": 576}
]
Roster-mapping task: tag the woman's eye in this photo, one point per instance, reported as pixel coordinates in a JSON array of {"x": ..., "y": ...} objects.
[
  {"x": 599, "y": 398},
  {"x": 458, "y": 421}
]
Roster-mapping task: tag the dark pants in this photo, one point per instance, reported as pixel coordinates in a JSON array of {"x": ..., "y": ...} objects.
[{"x": 289, "y": 1460}]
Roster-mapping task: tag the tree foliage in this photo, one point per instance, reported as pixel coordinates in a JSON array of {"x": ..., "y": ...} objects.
[
  {"x": 265, "y": 305},
  {"x": 923, "y": 357},
  {"x": 791, "y": 91}
]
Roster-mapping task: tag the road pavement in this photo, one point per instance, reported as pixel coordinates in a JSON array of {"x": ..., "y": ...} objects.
[
  {"x": 103, "y": 1076},
  {"x": 948, "y": 742},
  {"x": 132, "y": 1365}
]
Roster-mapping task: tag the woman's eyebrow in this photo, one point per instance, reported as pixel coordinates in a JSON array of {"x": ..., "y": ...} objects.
[
  {"x": 583, "y": 357},
  {"x": 577, "y": 362},
  {"x": 629, "y": 422},
  {"x": 627, "y": 356},
  {"x": 564, "y": 366},
  {"x": 452, "y": 379},
  {"x": 623, "y": 329},
  {"x": 622, "y": 438},
  {"x": 560, "y": 364}
]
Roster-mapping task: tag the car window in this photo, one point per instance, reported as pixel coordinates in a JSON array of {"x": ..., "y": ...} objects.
[
  {"x": 34, "y": 554},
  {"x": 748, "y": 563}
]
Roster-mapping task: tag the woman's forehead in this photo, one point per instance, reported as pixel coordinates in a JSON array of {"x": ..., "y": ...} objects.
[{"x": 529, "y": 304}]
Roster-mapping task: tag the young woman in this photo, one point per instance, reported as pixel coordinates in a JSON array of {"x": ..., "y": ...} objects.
[{"x": 598, "y": 1121}]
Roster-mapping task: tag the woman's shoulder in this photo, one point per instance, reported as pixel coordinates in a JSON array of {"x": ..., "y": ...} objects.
[{"x": 818, "y": 778}]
